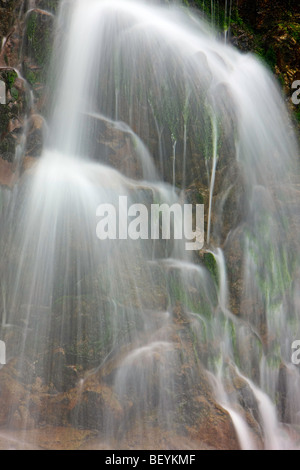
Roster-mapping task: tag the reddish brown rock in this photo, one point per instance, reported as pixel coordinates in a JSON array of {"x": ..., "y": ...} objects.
[{"x": 7, "y": 175}]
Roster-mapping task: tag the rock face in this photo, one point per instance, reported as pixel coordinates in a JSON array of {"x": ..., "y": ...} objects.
[
  {"x": 9, "y": 10},
  {"x": 12, "y": 112},
  {"x": 36, "y": 52},
  {"x": 271, "y": 29},
  {"x": 108, "y": 143},
  {"x": 94, "y": 403},
  {"x": 26, "y": 40}
]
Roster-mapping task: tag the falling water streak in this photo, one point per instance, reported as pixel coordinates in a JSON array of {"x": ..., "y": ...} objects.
[
  {"x": 3, "y": 43},
  {"x": 159, "y": 132},
  {"x": 227, "y": 20},
  {"x": 174, "y": 161},
  {"x": 21, "y": 148},
  {"x": 160, "y": 147},
  {"x": 4, "y": 313},
  {"x": 212, "y": 13},
  {"x": 244, "y": 435},
  {"x": 220, "y": 212},
  {"x": 117, "y": 104},
  {"x": 222, "y": 276},
  {"x": 16, "y": 442},
  {"x": 213, "y": 176},
  {"x": 184, "y": 156},
  {"x": 274, "y": 436}
]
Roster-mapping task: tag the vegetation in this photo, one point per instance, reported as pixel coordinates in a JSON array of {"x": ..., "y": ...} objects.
[
  {"x": 211, "y": 264},
  {"x": 39, "y": 35}
]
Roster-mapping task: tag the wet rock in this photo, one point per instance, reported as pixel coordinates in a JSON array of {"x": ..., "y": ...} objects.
[
  {"x": 38, "y": 37},
  {"x": 12, "y": 113},
  {"x": 47, "y": 438},
  {"x": 276, "y": 37},
  {"x": 55, "y": 409},
  {"x": 59, "y": 373},
  {"x": 213, "y": 426},
  {"x": 9, "y": 16},
  {"x": 37, "y": 47},
  {"x": 10, "y": 53},
  {"x": 35, "y": 136},
  {"x": 14, "y": 397},
  {"x": 157, "y": 375},
  {"x": 96, "y": 402},
  {"x": 28, "y": 164},
  {"x": 246, "y": 397},
  {"x": 21, "y": 419},
  {"x": 7, "y": 175},
  {"x": 48, "y": 5},
  {"x": 110, "y": 144}
]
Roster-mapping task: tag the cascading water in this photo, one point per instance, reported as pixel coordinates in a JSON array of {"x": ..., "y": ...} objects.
[{"x": 141, "y": 340}]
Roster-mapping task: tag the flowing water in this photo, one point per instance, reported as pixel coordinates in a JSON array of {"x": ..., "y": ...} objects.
[{"x": 148, "y": 103}]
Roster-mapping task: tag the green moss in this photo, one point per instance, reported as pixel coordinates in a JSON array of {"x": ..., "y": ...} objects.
[
  {"x": 178, "y": 293},
  {"x": 9, "y": 76},
  {"x": 274, "y": 361},
  {"x": 4, "y": 118},
  {"x": 281, "y": 80},
  {"x": 271, "y": 57},
  {"x": 31, "y": 77},
  {"x": 7, "y": 147},
  {"x": 235, "y": 18},
  {"x": 275, "y": 267},
  {"x": 230, "y": 327},
  {"x": 50, "y": 5},
  {"x": 14, "y": 93},
  {"x": 291, "y": 28},
  {"x": 39, "y": 36},
  {"x": 215, "y": 12},
  {"x": 211, "y": 264},
  {"x": 199, "y": 198}
]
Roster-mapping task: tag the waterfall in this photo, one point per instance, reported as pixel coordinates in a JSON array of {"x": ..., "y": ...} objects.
[{"x": 140, "y": 339}]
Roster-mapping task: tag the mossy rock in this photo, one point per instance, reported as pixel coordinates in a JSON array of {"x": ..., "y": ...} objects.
[
  {"x": 48, "y": 5},
  {"x": 210, "y": 262},
  {"x": 8, "y": 13},
  {"x": 12, "y": 113},
  {"x": 39, "y": 37},
  {"x": 37, "y": 49},
  {"x": 4, "y": 119}
]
